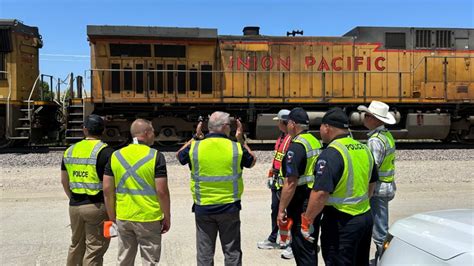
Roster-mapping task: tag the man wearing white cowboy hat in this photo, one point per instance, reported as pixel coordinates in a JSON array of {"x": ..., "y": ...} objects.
[{"x": 382, "y": 145}]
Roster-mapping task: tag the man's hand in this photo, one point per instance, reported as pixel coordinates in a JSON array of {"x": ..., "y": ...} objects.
[
  {"x": 199, "y": 133},
  {"x": 270, "y": 178},
  {"x": 239, "y": 132},
  {"x": 307, "y": 228},
  {"x": 109, "y": 196},
  {"x": 65, "y": 183},
  {"x": 165, "y": 225},
  {"x": 281, "y": 219},
  {"x": 270, "y": 182}
]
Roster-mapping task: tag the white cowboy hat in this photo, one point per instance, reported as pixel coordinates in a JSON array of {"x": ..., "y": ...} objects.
[
  {"x": 380, "y": 111},
  {"x": 282, "y": 115}
]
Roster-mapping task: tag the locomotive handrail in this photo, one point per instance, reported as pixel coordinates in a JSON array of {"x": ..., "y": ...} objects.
[
  {"x": 242, "y": 71},
  {"x": 436, "y": 56},
  {"x": 63, "y": 100},
  {"x": 31, "y": 95},
  {"x": 7, "y": 131}
]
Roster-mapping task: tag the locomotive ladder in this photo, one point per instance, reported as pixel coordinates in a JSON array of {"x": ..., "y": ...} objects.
[
  {"x": 75, "y": 120},
  {"x": 26, "y": 113}
]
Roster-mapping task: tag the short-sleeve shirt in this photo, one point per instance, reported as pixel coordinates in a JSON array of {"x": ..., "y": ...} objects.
[
  {"x": 247, "y": 160},
  {"x": 82, "y": 199},
  {"x": 160, "y": 166},
  {"x": 294, "y": 165},
  {"x": 329, "y": 169}
]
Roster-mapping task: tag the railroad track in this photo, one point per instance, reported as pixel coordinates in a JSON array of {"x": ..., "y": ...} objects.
[{"x": 259, "y": 146}]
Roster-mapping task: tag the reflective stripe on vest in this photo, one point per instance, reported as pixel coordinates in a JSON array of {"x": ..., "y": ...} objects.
[
  {"x": 387, "y": 168},
  {"x": 197, "y": 178},
  {"x": 305, "y": 179},
  {"x": 310, "y": 153},
  {"x": 388, "y": 149},
  {"x": 281, "y": 148},
  {"x": 280, "y": 151},
  {"x": 92, "y": 160},
  {"x": 349, "y": 199},
  {"x": 131, "y": 171},
  {"x": 91, "y": 184},
  {"x": 134, "y": 170}
]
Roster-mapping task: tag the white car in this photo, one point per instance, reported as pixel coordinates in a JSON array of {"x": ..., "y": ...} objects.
[{"x": 431, "y": 238}]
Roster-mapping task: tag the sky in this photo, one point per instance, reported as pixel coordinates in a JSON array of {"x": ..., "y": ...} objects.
[{"x": 62, "y": 23}]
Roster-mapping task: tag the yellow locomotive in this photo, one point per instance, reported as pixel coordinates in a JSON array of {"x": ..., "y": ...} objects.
[
  {"x": 28, "y": 112},
  {"x": 174, "y": 75}
]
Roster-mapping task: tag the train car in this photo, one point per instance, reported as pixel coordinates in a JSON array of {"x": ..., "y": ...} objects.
[
  {"x": 174, "y": 75},
  {"x": 28, "y": 112}
]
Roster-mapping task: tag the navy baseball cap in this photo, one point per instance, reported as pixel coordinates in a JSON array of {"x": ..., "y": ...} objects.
[
  {"x": 299, "y": 116},
  {"x": 336, "y": 117},
  {"x": 94, "y": 123}
]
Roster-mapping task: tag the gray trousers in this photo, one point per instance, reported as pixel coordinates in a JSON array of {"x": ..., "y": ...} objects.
[
  {"x": 228, "y": 226},
  {"x": 147, "y": 235}
]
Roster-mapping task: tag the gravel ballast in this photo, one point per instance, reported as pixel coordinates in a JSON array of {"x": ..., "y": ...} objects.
[{"x": 54, "y": 158}]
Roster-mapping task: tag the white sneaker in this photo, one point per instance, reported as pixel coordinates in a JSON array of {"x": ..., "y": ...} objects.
[
  {"x": 266, "y": 244},
  {"x": 287, "y": 253}
]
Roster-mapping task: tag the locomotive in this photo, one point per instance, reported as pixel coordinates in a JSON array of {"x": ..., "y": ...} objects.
[
  {"x": 29, "y": 112},
  {"x": 172, "y": 76}
]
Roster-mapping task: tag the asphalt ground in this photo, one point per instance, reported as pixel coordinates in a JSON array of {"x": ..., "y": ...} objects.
[{"x": 34, "y": 221}]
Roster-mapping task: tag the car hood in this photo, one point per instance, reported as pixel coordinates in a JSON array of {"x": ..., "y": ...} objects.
[{"x": 444, "y": 234}]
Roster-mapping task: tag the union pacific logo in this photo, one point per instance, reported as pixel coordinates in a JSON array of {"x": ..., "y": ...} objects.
[{"x": 339, "y": 63}]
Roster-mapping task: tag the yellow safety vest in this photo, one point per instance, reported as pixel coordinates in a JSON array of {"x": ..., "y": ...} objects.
[
  {"x": 351, "y": 192},
  {"x": 134, "y": 175},
  {"x": 80, "y": 160},
  {"x": 387, "y": 168},
  {"x": 216, "y": 175},
  {"x": 312, "y": 147}
]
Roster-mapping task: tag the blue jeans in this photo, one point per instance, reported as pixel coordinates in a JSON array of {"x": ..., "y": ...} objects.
[{"x": 379, "y": 207}]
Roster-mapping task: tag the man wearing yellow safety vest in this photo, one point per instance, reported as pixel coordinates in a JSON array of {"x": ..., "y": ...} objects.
[
  {"x": 216, "y": 164},
  {"x": 275, "y": 184},
  {"x": 297, "y": 168},
  {"x": 382, "y": 145},
  {"x": 137, "y": 196},
  {"x": 345, "y": 176},
  {"x": 81, "y": 176}
]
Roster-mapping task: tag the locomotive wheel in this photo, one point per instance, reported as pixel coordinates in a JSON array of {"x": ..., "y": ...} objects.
[
  {"x": 167, "y": 143},
  {"x": 460, "y": 138},
  {"x": 6, "y": 143}
]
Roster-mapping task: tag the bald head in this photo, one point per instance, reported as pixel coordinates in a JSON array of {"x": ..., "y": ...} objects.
[{"x": 142, "y": 129}]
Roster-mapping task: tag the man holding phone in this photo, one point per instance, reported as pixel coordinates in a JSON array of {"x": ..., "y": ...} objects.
[{"x": 216, "y": 164}]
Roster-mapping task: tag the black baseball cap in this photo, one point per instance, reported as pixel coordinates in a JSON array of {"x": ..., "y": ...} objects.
[
  {"x": 336, "y": 117},
  {"x": 95, "y": 124},
  {"x": 299, "y": 116}
]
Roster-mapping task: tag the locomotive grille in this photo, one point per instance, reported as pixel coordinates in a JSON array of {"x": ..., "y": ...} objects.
[
  {"x": 443, "y": 39},
  {"x": 423, "y": 39}
]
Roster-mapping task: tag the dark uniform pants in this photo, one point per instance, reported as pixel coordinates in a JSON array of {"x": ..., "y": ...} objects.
[
  {"x": 345, "y": 239},
  {"x": 274, "y": 215},
  {"x": 228, "y": 227},
  {"x": 305, "y": 252}
]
